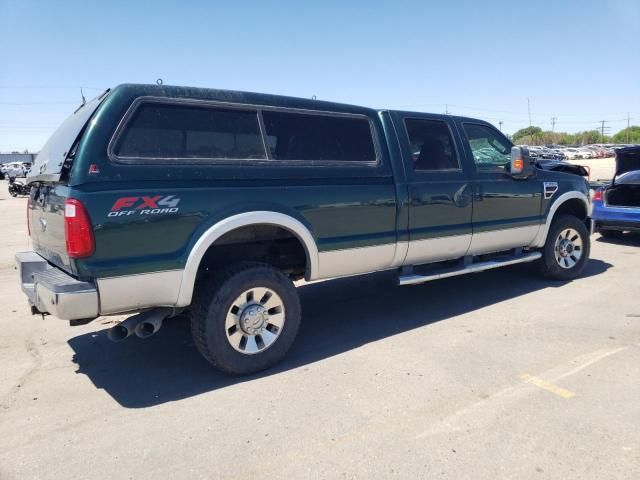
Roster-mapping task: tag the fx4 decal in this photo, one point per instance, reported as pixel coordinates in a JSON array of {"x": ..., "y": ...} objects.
[{"x": 144, "y": 205}]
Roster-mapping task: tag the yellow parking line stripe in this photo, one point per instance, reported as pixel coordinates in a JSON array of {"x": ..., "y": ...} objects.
[{"x": 548, "y": 386}]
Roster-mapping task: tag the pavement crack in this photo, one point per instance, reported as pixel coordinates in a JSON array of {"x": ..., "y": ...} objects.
[{"x": 36, "y": 363}]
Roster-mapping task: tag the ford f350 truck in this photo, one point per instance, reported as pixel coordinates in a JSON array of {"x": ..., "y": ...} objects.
[{"x": 157, "y": 200}]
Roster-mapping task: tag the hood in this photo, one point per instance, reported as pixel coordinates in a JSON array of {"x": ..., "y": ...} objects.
[
  {"x": 566, "y": 167},
  {"x": 627, "y": 160}
]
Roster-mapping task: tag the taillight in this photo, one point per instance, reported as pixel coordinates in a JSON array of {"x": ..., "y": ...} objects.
[
  {"x": 77, "y": 229},
  {"x": 28, "y": 225},
  {"x": 597, "y": 195}
]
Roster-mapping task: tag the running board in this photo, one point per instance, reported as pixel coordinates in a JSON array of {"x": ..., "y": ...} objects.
[{"x": 413, "y": 278}]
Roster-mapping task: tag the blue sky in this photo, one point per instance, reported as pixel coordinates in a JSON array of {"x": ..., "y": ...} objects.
[{"x": 576, "y": 60}]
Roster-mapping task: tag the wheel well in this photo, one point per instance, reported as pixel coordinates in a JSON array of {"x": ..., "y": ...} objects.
[
  {"x": 575, "y": 207},
  {"x": 270, "y": 244}
]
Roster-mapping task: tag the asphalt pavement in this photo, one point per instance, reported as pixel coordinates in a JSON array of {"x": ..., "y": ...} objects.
[{"x": 496, "y": 375}]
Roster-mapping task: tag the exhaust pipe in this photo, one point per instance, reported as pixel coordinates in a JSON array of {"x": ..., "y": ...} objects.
[
  {"x": 152, "y": 322},
  {"x": 143, "y": 325},
  {"x": 124, "y": 329}
]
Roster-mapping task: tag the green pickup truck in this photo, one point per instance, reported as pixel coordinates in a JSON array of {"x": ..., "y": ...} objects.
[{"x": 158, "y": 200}]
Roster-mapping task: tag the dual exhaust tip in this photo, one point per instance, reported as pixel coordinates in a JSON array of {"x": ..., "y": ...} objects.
[{"x": 143, "y": 324}]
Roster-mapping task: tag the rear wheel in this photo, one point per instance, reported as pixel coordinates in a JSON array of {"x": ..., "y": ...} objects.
[
  {"x": 566, "y": 250},
  {"x": 246, "y": 318}
]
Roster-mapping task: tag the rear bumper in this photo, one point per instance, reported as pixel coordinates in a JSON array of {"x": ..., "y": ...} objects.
[
  {"x": 616, "y": 218},
  {"x": 617, "y": 225},
  {"x": 50, "y": 290}
]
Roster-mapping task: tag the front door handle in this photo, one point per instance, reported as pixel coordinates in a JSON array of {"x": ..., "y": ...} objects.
[
  {"x": 477, "y": 193},
  {"x": 463, "y": 197}
]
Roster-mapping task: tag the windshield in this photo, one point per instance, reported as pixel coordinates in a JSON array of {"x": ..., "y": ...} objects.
[{"x": 48, "y": 164}]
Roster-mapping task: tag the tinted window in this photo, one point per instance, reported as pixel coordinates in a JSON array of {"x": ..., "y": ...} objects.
[
  {"x": 191, "y": 132},
  {"x": 431, "y": 145},
  {"x": 297, "y": 136},
  {"x": 490, "y": 149}
]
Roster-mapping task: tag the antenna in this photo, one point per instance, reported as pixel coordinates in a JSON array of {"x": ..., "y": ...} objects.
[{"x": 84, "y": 100}]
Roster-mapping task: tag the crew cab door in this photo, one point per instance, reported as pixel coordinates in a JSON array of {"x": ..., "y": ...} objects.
[
  {"x": 439, "y": 188},
  {"x": 506, "y": 211}
]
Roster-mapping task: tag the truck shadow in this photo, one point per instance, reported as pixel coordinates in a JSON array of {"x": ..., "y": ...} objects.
[
  {"x": 627, "y": 239},
  {"x": 338, "y": 316}
]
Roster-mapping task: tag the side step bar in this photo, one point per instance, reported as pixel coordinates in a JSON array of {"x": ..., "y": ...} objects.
[{"x": 413, "y": 278}]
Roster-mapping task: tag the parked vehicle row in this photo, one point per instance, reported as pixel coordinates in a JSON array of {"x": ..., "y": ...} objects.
[{"x": 564, "y": 152}]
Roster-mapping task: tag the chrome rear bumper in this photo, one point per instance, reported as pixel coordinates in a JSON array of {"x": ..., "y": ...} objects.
[{"x": 51, "y": 290}]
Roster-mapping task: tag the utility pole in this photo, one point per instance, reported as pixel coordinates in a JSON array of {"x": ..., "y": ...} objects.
[
  {"x": 529, "y": 110},
  {"x": 628, "y": 127},
  {"x": 553, "y": 123},
  {"x": 500, "y": 124},
  {"x": 602, "y": 130}
]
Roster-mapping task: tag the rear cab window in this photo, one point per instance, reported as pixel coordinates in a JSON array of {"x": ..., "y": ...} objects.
[{"x": 194, "y": 132}]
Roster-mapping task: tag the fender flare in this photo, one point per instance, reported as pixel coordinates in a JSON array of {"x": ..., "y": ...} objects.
[
  {"x": 234, "y": 222},
  {"x": 541, "y": 238}
]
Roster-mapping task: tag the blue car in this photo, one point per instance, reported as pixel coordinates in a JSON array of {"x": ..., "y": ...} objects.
[{"x": 616, "y": 207}]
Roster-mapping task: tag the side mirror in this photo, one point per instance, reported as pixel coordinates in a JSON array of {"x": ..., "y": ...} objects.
[{"x": 520, "y": 163}]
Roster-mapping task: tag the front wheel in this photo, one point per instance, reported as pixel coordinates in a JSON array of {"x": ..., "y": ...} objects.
[
  {"x": 246, "y": 318},
  {"x": 566, "y": 250}
]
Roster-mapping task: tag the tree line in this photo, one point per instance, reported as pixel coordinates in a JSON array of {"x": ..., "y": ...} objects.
[{"x": 536, "y": 136}]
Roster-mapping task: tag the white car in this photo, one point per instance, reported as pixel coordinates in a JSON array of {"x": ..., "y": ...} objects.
[
  {"x": 586, "y": 153},
  {"x": 14, "y": 169},
  {"x": 572, "y": 153}
]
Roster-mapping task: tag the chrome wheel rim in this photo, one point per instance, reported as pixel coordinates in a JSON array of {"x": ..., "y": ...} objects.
[
  {"x": 568, "y": 248},
  {"x": 255, "y": 320}
]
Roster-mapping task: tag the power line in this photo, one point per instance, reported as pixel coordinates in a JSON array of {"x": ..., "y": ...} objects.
[
  {"x": 44, "y": 87},
  {"x": 38, "y": 103}
]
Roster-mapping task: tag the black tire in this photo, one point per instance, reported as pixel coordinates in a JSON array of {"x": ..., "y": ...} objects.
[
  {"x": 610, "y": 233},
  {"x": 214, "y": 298},
  {"x": 548, "y": 265}
]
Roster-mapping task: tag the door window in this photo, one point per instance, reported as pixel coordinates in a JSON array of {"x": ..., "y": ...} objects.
[
  {"x": 431, "y": 145},
  {"x": 491, "y": 150}
]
